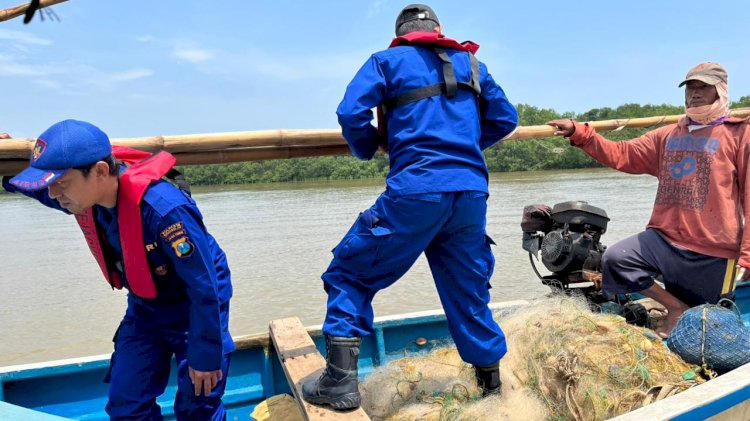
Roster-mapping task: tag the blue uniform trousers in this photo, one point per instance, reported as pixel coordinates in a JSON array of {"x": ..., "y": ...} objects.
[
  {"x": 139, "y": 372},
  {"x": 384, "y": 243}
]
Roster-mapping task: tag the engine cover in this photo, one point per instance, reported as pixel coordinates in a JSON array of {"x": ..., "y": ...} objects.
[
  {"x": 567, "y": 235},
  {"x": 579, "y": 213}
]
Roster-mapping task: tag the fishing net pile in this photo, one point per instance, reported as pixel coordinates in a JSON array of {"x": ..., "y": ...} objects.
[
  {"x": 439, "y": 386},
  {"x": 563, "y": 363}
]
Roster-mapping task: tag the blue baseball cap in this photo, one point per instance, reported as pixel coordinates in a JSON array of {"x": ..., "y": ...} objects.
[{"x": 65, "y": 145}]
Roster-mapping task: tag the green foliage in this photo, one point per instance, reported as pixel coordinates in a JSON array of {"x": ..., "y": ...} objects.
[
  {"x": 741, "y": 103},
  {"x": 300, "y": 169},
  {"x": 630, "y": 111},
  {"x": 522, "y": 155},
  {"x": 556, "y": 153},
  {"x": 529, "y": 115},
  {"x": 536, "y": 154}
]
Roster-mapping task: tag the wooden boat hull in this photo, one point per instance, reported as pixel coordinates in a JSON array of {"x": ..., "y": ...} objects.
[{"x": 74, "y": 389}]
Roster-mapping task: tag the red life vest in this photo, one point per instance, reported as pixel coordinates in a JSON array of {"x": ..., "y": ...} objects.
[
  {"x": 144, "y": 169},
  {"x": 448, "y": 87},
  {"x": 434, "y": 39}
]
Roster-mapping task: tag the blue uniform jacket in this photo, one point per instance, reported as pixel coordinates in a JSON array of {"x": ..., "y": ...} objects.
[
  {"x": 435, "y": 144},
  {"x": 193, "y": 283}
]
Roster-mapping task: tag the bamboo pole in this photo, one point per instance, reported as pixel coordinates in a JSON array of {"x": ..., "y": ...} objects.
[
  {"x": 530, "y": 132},
  {"x": 20, "y": 10},
  {"x": 231, "y": 140},
  {"x": 192, "y": 143},
  {"x": 218, "y": 148},
  {"x": 14, "y": 166},
  {"x": 259, "y": 154}
]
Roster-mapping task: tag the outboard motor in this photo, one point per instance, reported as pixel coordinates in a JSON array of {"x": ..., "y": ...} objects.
[{"x": 568, "y": 236}]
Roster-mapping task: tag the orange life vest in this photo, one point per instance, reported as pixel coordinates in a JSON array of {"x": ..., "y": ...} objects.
[{"x": 144, "y": 169}]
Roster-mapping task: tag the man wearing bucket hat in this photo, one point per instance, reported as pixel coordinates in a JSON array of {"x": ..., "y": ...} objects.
[
  {"x": 147, "y": 236},
  {"x": 695, "y": 238},
  {"x": 438, "y": 108}
]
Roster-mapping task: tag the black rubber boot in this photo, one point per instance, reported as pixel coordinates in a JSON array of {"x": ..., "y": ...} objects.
[
  {"x": 338, "y": 385},
  {"x": 488, "y": 378}
]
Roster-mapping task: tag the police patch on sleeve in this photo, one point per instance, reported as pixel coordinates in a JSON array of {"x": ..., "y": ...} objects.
[
  {"x": 183, "y": 247},
  {"x": 174, "y": 231}
]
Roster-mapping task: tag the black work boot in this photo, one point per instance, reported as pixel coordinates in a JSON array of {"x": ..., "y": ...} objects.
[
  {"x": 488, "y": 378},
  {"x": 337, "y": 386}
]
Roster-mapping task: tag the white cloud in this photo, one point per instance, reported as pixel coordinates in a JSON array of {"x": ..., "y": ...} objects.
[
  {"x": 131, "y": 75},
  {"x": 9, "y": 66},
  {"x": 311, "y": 67},
  {"x": 18, "y": 48},
  {"x": 147, "y": 97},
  {"x": 85, "y": 78},
  {"x": 375, "y": 7},
  {"x": 49, "y": 84},
  {"x": 192, "y": 55},
  {"x": 15, "y": 46},
  {"x": 22, "y": 37},
  {"x": 285, "y": 67},
  {"x": 70, "y": 78},
  {"x": 17, "y": 69},
  {"x": 145, "y": 38}
]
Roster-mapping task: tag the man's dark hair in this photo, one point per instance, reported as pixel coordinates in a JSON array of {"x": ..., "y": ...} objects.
[
  {"x": 416, "y": 18},
  {"x": 110, "y": 160},
  {"x": 416, "y": 26}
]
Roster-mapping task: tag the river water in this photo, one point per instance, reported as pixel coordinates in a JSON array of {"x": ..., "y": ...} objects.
[{"x": 54, "y": 303}]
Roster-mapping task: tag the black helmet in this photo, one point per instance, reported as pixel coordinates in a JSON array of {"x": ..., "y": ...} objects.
[{"x": 416, "y": 12}]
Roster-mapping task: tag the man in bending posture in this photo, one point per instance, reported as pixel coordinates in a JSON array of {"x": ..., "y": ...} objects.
[{"x": 147, "y": 236}]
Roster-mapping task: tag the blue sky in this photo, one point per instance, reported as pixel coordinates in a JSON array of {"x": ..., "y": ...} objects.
[{"x": 138, "y": 68}]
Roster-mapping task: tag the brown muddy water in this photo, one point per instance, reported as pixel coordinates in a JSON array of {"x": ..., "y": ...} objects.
[{"x": 54, "y": 303}]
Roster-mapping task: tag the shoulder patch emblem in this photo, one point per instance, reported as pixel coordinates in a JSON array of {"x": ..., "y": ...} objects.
[
  {"x": 173, "y": 231},
  {"x": 183, "y": 247}
]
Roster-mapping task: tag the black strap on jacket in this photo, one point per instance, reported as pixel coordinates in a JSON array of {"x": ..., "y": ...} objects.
[
  {"x": 179, "y": 179},
  {"x": 448, "y": 87}
]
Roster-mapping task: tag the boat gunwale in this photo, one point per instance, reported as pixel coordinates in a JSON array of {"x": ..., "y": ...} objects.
[
  {"x": 242, "y": 342},
  {"x": 714, "y": 397}
]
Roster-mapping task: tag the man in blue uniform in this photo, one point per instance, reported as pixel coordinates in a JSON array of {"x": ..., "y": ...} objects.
[
  {"x": 441, "y": 108},
  {"x": 158, "y": 248}
]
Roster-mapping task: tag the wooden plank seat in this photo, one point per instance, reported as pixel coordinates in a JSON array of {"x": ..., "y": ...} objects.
[{"x": 301, "y": 361}]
